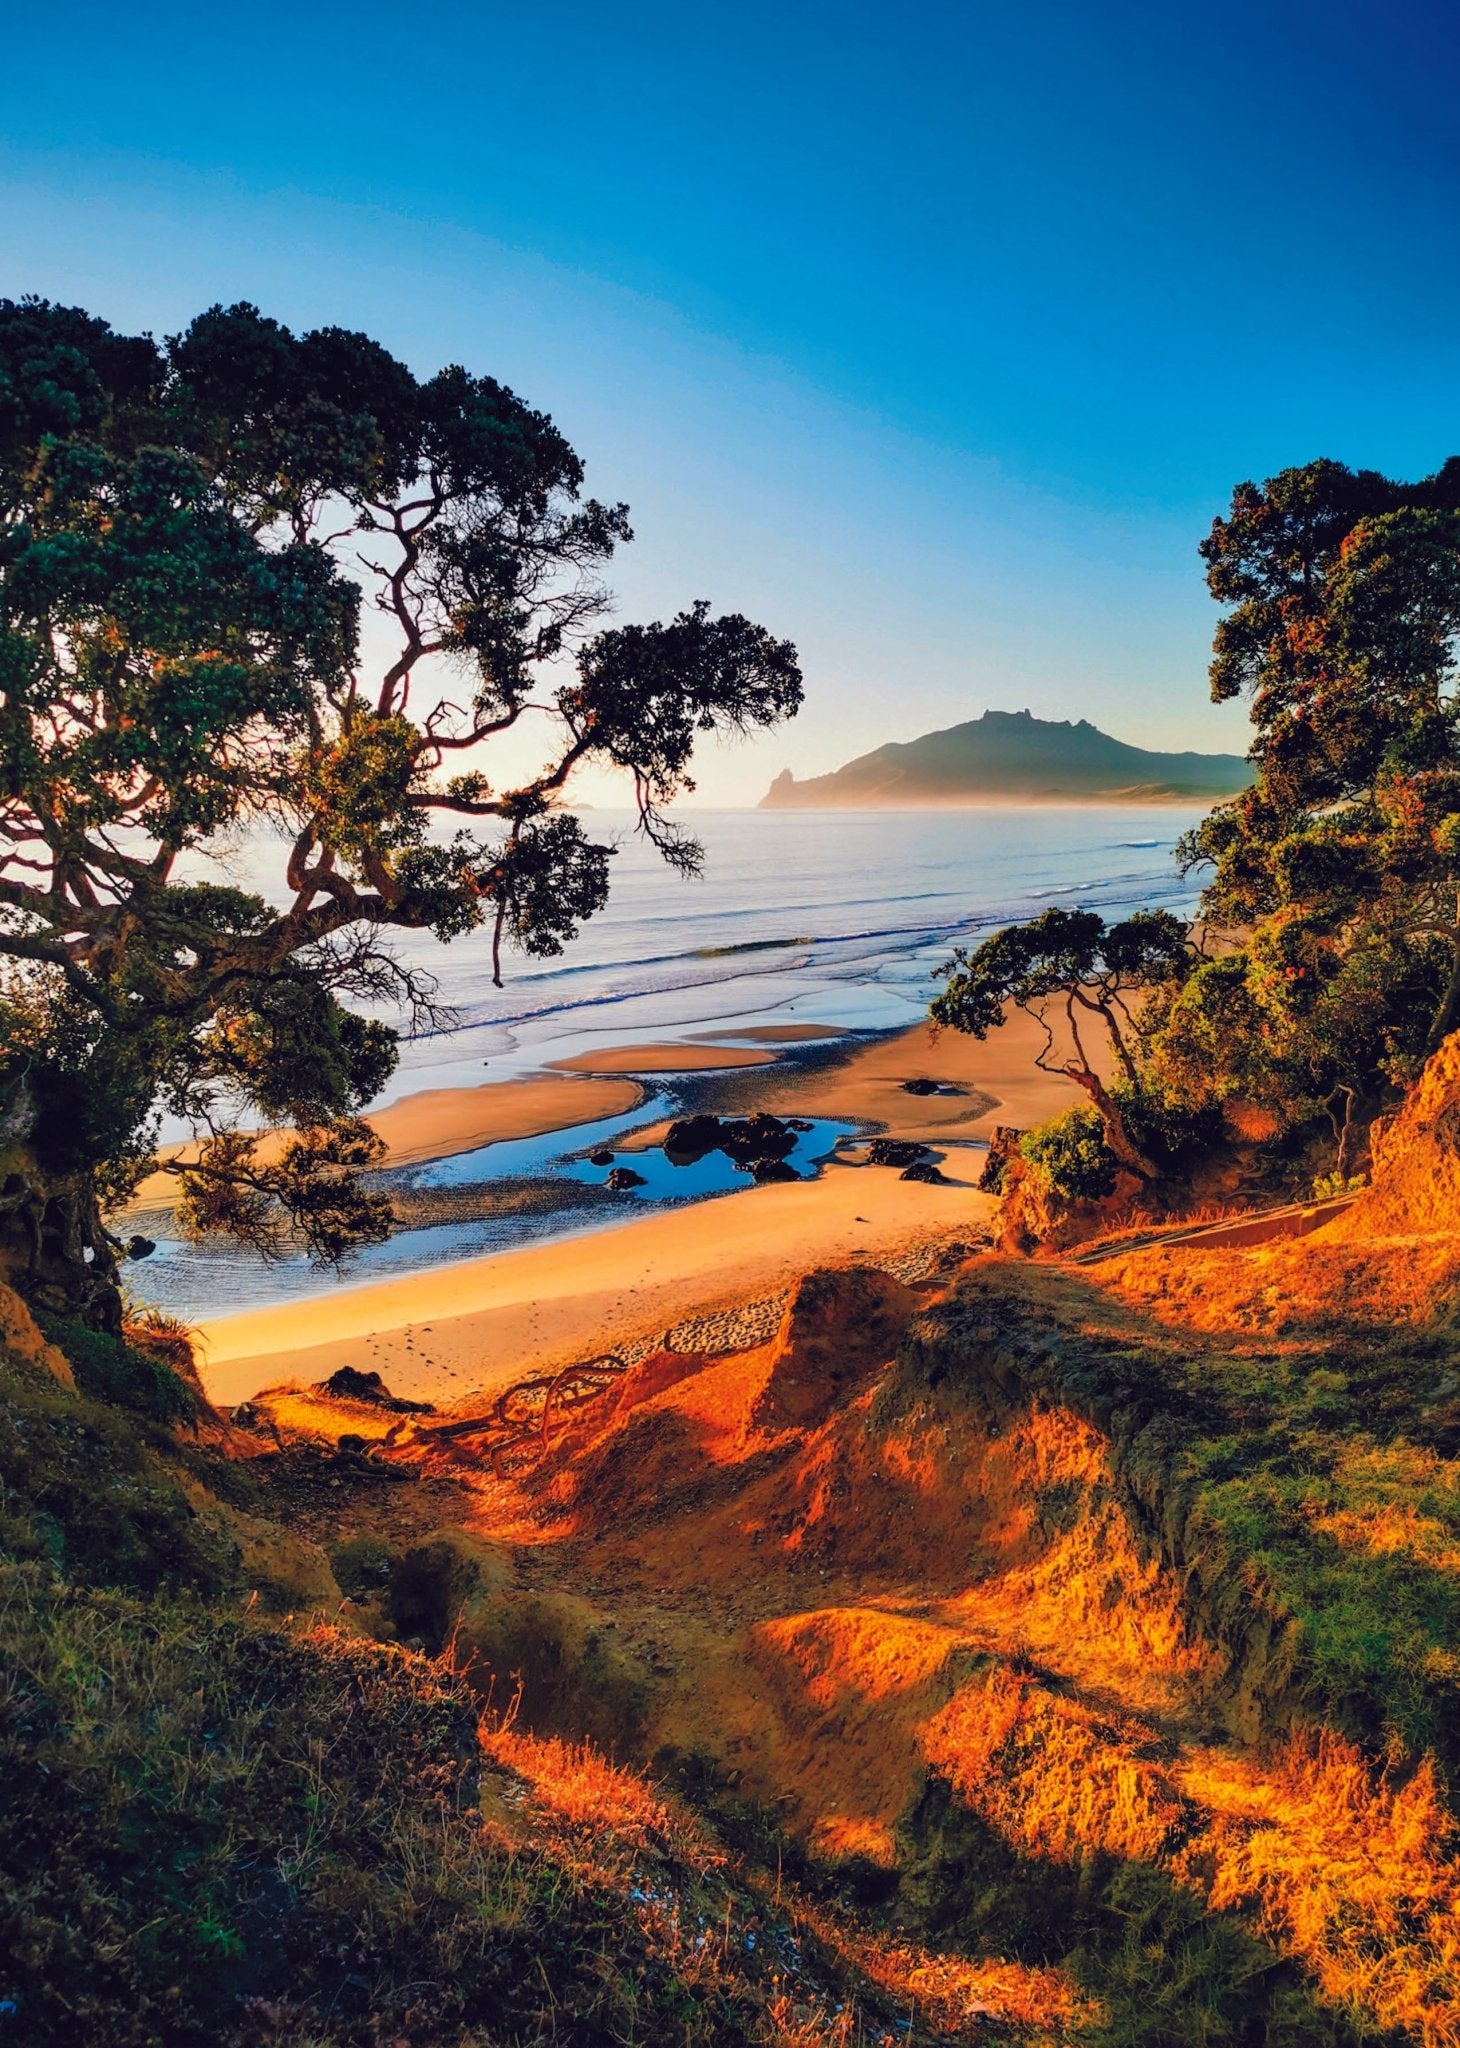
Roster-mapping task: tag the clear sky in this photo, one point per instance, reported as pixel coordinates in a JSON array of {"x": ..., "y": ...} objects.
[{"x": 933, "y": 336}]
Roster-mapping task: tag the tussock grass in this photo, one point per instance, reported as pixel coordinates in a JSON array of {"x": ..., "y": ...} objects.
[
  {"x": 1286, "y": 1420},
  {"x": 218, "y": 1832}
]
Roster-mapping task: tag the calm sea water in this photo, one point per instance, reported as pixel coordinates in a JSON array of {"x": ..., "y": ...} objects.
[
  {"x": 800, "y": 917},
  {"x": 833, "y": 918}
]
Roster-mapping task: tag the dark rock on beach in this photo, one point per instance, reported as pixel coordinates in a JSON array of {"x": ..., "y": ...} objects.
[
  {"x": 691, "y": 1137},
  {"x": 895, "y": 1152},
  {"x": 772, "y": 1170},
  {"x": 745, "y": 1139},
  {"x": 925, "y": 1170},
  {"x": 350, "y": 1385}
]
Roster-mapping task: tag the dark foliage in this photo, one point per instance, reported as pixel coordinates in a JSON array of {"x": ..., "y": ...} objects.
[{"x": 188, "y": 533}]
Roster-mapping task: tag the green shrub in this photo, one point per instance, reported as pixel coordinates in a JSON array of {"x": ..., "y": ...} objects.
[
  {"x": 1171, "y": 1134},
  {"x": 1070, "y": 1153},
  {"x": 82, "y": 1487},
  {"x": 111, "y": 1370}
]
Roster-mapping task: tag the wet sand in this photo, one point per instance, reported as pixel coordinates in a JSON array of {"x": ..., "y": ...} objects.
[
  {"x": 453, "y": 1330},
  {"x": 777, "y": 1034},
  {"x": 437, "y": 1122},
  {"x": 442, "y": 1121},
  {"x": 672, "y": 1058},
  {"x": 1002, "y": 1083}
]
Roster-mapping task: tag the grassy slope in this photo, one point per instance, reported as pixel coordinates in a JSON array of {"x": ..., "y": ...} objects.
[
  {"x": 215, "y": 1827},
  {"x": 218, "y": 1829},
  {"x": 1288, "y": 1424}
]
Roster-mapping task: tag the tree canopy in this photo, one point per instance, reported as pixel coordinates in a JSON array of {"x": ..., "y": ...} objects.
[
  {"x": 1325, "y": 965},
  {"x": 1336, "y": 876},
  {"x": 1069, "y": 963},
  {"x": 253, "y": 580}
]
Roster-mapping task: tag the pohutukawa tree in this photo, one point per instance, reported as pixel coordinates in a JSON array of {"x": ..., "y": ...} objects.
[
  {"x": 190, "y": 534},
  {"x": 1336, "y": 876},
  {"x": 1070, "y": 965}
]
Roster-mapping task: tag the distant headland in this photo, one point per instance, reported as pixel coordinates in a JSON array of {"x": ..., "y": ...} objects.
[{"x": 1012, "y": 756}]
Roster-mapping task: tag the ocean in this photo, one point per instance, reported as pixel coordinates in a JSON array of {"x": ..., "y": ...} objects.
[
  {"x": 825, "y": 917},
  {"x": 815, "y": 917}
]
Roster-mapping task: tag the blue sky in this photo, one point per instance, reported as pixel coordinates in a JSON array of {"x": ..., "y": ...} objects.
[{"x": 932, "y": 335}]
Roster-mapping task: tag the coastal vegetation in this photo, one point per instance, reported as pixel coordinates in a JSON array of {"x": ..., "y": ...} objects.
[
  {"x": 253, "y": 579},
  {"x": 1047, "y": 1650},
  {"x": 1071, "y": 962},
  {"x": 1324, "y": 965}
]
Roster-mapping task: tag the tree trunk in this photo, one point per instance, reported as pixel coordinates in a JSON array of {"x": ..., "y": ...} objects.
[
  {"x": 1447, "y": 1017},
  {"x": 1117, "y": 1040},
  {"x": 1117, "y": 1139},
  {"x": 1345, "y": 1131},
  {"x": 54, "y": 1250}
]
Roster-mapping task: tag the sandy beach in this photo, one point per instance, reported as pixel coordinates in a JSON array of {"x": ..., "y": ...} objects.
[
  {"x": 453, "y": 1330},
  {"x": 435, "y": 1123},
  {"x": 676, "y": 1058},
  {"x": 1002, "y": 1083}
]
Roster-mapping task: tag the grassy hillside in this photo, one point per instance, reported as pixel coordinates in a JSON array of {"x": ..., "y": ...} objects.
[
  {"x": 225, "y": 1822},
  {"x": 1061, "y": 1654}
]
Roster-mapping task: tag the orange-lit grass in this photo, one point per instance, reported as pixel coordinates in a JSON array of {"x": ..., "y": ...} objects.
[
  {"x": 1051, "y": 1776},
  {"x": 610, "y": 1825},
  {"x": 1139, "y": 1224},
  {"x": 1285, "y": 1287},
  {"x": 577, "y": 1785},
  {"x": 166, "y": 1337},
  {"x": 949, "y": 1991},
  {"x": 605, "y": 1818},
  {"x": 951, "y": 1545},
  {"x": 303, "y": 1412},
  {"x": 1386, "y": 1489},
  {"x": 1016, "y": 1541},
  {"x": 1345, "y": 1868},
  {"x": 1350, "y": 1871}
]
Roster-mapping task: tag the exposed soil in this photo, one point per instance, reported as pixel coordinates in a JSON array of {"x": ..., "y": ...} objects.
[{"x": 908, "y": 1595}]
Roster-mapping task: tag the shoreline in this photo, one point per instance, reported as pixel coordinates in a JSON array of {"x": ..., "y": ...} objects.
[
  {"x": 453, "y": 1331},
  {"x": 438, "y": 1123}
]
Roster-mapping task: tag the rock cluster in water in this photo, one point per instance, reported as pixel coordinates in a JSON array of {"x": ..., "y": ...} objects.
[{"x": 758, "y": 1144}]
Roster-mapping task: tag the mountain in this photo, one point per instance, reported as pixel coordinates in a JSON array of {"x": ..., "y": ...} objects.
[{"x": 1011, "y": 754}]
